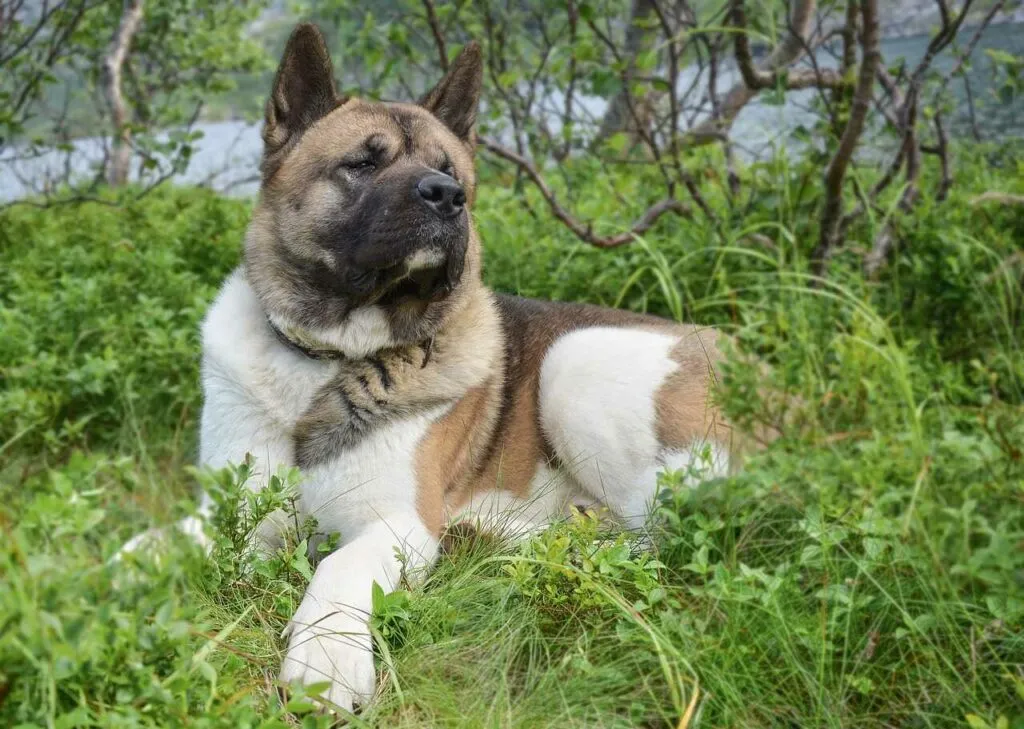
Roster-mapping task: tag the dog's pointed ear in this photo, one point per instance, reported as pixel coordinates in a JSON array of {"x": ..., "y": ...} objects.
[
  {"x": 455, "y": 99},
  {"x": 303, "y": 91}
]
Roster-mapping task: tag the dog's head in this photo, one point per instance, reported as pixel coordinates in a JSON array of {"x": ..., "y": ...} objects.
[{"x": 364, "y": 206}]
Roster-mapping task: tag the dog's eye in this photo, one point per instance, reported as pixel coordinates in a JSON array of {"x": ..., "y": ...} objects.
[
  {"x": 446, "y": 169},
  {"x": 359, "y": 165}
]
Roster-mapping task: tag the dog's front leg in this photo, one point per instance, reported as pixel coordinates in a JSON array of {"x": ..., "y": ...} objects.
[{"x": 329, "y": 637}]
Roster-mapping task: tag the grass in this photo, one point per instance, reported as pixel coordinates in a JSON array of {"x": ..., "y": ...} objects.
[{"x": 866, "y": 570}]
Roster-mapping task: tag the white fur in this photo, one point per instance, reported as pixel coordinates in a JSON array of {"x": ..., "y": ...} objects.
[
  {"x": 255, "y": 390},
  {"x": 328, "y": 635},
  {"x": 365, "y": 331},
  {"x": 424, "y": 258},
  {"x": 255, "y": 395},
  {"x": 597, "y": 408},
  {"x": 551, "y": 494},
  {"x": 369, "y": 480}
]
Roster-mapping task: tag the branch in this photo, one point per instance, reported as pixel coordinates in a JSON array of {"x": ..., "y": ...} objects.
[
  {"x": 584, "y": 231},
  {"x": 849, "y": 36},
  {"x": 435, "y": 30},
  {"x": 831, "y": 215},
  {"x": 44, "y": 17},
  {"x": 573, "y": 17},
  {"x": 969, "y": 49},
  {"x": 1002, "y": 198},
  {"x": 943, "y": 153},
  {"x": 785, "y": 54},
  {"x": 879, "y": 253},
  {"x": 758, "y": 79}
]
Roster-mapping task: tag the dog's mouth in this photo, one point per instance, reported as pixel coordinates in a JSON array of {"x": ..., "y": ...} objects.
[{"x": 424, "y": 285}]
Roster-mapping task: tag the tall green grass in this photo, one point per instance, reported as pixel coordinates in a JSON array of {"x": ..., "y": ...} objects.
[{"x": 866, "y": 570}]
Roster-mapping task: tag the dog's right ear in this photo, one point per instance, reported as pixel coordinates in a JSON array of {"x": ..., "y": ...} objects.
[{"x": 303, "y": 92}]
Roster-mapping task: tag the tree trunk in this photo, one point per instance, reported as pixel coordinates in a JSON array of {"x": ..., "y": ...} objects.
[{"x": 113, "y": 64}]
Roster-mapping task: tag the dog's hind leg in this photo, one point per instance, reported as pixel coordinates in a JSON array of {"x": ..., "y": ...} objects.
[{"x": 619, "y": 405}]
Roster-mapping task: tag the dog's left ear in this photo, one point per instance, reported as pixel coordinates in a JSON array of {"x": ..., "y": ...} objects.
[{"x": 455, "y": 99}]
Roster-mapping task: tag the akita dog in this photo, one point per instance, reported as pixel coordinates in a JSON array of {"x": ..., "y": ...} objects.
[{"x": 358, "y": 342}]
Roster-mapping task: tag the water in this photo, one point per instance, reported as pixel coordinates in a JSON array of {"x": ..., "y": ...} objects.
[{"x": 227, "y": 155}]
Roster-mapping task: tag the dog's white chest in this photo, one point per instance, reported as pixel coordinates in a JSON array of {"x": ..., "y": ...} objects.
[
  {"x": 256, "y": 391},
  {"x": 246, "y": 370},
  {"x": 369, "y": 481}
]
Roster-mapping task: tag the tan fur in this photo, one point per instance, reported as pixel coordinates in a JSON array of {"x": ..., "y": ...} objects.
[
  {"x": 418, "y": 377},
  {"x": 514, "y": 462},
  {"x": 685, "y": 407},
  {"x": 449, "y": 453},
  {"x": 684, "y": 413}
]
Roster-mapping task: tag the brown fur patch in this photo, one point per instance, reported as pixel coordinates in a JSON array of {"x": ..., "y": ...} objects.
[
  {"x": 518, "y": 445},
  {"x": 683, "y": 408},
  {"x": 447, "y": 455}
]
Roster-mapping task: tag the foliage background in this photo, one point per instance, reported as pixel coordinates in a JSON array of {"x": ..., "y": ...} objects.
[{"x": 866, "y": 570}]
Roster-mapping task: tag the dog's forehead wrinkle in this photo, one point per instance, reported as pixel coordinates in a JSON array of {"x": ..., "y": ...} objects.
[{"x": 406, "y": 128}]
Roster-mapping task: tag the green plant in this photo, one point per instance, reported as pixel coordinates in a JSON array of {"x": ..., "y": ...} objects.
[{"x": 862, "y": 571}]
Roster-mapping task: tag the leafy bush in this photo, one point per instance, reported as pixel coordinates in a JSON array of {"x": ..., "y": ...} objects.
[
  {"x": 865, "y": 570},
  {"x": 100, "y": 308}
]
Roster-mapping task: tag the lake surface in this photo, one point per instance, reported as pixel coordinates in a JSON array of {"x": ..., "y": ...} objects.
[{"x": 227, "y": 155}]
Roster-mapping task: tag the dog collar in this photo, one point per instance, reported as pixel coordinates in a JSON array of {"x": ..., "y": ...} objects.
[
  {"x": 333, "y": 355},
  {"x": 311, "y": 353}
]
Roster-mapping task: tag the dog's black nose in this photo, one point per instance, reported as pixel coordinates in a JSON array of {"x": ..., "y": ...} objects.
[{"x": 442, "y": 194}]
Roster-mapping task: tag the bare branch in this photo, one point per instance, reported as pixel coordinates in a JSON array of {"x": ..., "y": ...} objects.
[
  {"x": 435, "y": 30},
  {"x": 943, "y": 153},
  {"x": 831, "y": 215},
  {"x": 1001, "y": 198},
  {"x": 785, "y": 54},
  {"x": 972, "y": 43},
  {"x": 584, "y": 231},
  {"x": 758, "y": 79},
  {"x": 849, "y": 35}
]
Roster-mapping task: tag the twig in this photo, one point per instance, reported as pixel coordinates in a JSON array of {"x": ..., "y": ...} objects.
[
  {"x": 831, "y": 215},
  {"x": 969, "y": 48},
  {"x": 943, "y": 153},
  {"x": 566, "y": 146},
  {"x": 993, "y": 196},
  {"x": 435, "y": 30},
  {"x": 783, "y": 56},
  {"x": 584, "y": 231},
  {"x": 757, "y": 79}
]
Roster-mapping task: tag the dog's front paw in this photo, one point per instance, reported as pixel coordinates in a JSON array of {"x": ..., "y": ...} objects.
[{"x": 334, "y": 647}]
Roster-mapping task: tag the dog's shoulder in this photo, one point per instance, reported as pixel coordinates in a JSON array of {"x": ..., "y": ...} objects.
[{"x": 234, "y": 316}]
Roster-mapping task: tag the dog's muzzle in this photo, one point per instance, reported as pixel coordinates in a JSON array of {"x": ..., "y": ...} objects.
[{"x": 428, "y": 275}]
